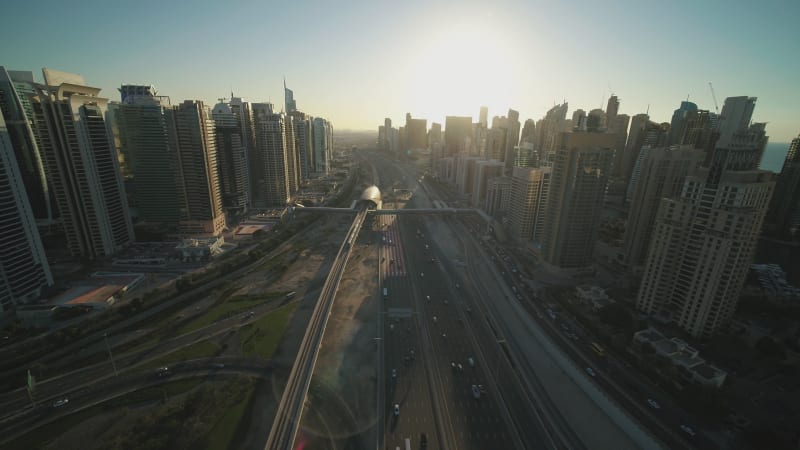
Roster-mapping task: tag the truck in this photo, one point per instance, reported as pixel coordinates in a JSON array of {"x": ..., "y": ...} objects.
[{"x": 385, "y": 293}]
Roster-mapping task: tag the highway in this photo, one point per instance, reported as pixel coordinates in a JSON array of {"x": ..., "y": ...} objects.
[
  {"x": 434, "y": 398},
  {"x": 290, "y": 409},
  {"x": 110, "y": 388},
  {"x": 17, "y": 402},
  {"x": 611, "y": 373}
]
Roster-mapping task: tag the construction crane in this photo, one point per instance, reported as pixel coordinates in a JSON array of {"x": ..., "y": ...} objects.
[{"x": 714, "y": 96}]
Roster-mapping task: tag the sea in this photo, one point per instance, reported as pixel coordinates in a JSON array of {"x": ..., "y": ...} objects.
[{"x": 774, "y": 155}]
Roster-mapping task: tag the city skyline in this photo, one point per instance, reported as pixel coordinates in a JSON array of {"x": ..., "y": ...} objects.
[{"x": 514, "y": 55}]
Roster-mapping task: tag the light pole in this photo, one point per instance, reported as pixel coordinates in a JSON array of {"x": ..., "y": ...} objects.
[{"x": 108, "y": 347}]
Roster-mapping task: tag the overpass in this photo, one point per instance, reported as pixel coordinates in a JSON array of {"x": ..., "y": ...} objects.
[{"x": 290, "y": 408}]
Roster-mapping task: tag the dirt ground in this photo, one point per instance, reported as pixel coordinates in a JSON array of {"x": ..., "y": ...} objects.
[{"x": 342, "y": 398}]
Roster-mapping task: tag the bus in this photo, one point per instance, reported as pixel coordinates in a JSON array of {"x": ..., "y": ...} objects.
[{"x": 597, "y": 349}]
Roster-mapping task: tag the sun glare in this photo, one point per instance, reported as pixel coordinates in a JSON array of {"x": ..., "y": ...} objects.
[{"x": 460, "y": 68}]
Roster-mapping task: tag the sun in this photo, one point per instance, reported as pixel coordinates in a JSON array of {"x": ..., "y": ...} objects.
[{"x": 460, "y": 69}]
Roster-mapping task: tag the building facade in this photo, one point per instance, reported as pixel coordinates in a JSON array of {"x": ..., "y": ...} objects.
[
  {"x": 704, "y": 240},
  {"x": 577, "y": 192},
  {"x": 85, "y": 175},
  {"x": 24, "y": 270}
]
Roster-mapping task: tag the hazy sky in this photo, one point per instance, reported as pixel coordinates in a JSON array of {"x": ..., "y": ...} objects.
[{"x": 356, "y": 62}]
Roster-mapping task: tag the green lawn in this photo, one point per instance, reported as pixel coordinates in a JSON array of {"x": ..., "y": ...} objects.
[
  {"x": 36, "y": 438},
  {"x": 202, "y": 349},
  {"x": 261, "y": 337},
  {"x": 222, "y": 435},
  {"x": 219, "y": 312}
]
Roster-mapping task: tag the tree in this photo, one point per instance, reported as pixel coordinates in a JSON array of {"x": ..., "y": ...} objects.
[
  {"x": 616, "y": 314},
  {"x": 768, "y": 348}
]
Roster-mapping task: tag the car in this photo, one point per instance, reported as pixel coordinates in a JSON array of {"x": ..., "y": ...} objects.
[
  {"x": 460, "y": 367},
  {"x": 453, "y": 365},
  {"x": 476, "y": 392},
  {"x": 444, "y": 336},
  {"x": 471, "y": 361},
  {"x": 469, "y": 310},
  {"x": 591, "y": 372},
  {"x": 394, "y": 374},
  {"x": 482, "y": 389},
  {"x": 396, "y": 409},
  {"x": 445, "y": 302},
  {"x": 688, "y": 430},
  {"x": 428, "y": 297},
  {"x": 458, "y": 286},
  {"x": 219, "y": 366},
  {"x": 60, "y": 402},
  {"x": 434, "y": 319},
  {"x": 653, "y": 404},
  {"x": 422, "y": 275},
  {"x": 423, "y": 441}
]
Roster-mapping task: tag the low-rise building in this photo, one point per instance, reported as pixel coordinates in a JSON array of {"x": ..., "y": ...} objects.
[{"x": 674, "y": 353}]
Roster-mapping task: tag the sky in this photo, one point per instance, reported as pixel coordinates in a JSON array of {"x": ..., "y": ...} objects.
[{"x": 356, "y": 62}]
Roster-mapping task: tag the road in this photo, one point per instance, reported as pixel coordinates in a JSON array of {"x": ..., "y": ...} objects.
[
  {"x": 110, "y": 388},
  {"x": 434, "y": 398},
  {"x": 18, "y": 402}
]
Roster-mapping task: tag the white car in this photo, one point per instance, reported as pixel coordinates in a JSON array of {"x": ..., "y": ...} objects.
[
  {"x": 471, "y": 361},
  {"x": 591, "y": 372},
  {"x": 60, "y": 402},
  {"x": 428, "y": 297},
  {"x": 394, "y": 374},
  {"x": 653, "y": 404},
  {"x": 688, "y": 430},
  {"x": 396, "y": 409},
  {"x": 421, "y": 275}
]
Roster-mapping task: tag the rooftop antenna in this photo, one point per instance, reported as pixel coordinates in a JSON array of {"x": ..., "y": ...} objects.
[{"x": 648, "y": 109}]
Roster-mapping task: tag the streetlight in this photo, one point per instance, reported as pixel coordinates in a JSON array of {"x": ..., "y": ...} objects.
[{"x": 113, "y": 364}]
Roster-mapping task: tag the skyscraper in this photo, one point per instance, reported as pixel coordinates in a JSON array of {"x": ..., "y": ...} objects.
[
  {"x": 457, "y": 135},
  {"x": 704, "y": 240},
  {"x": 416, "y": 133},
  {"x": 241, "y": 110},
  {"x": 323, "y": 145},
  {"x": 152, "y": 161},
  {"x": 85, "y": 178},
  {"x": 596, "y": 120},
  {"x": 680, "y": 121},
  {"x": 551, "y": 127},
  {"x": 512, "y": 138},
  {"x": 530, "y": 190},
  {"x": 663, "y": 173},
  {"x": 785, "y": 206},
  {"x": 24, "y": 270},
  {"x": 304, "y": 143},
  {"x": 191, "y": 132},
  {"x": 272, "y": 182},
  {"x": 485, "y": 170},
  {"x": 231, "y": 159},
  {"x": 577, "y": 191},
  {"x": 291, "y": 105},
  {"x": 612, "y": 109},
  {"x": 16, "y": 90},
  {"x": 387, "y": 128},
  {"x": 528, "y": 132}
]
